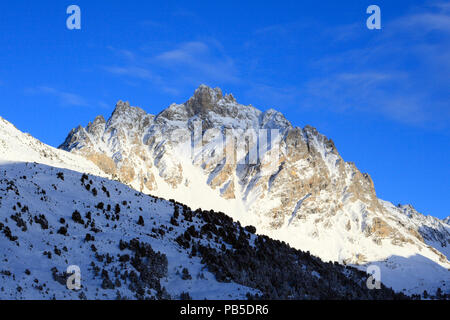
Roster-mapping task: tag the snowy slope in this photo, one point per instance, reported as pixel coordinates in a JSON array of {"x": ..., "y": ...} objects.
[
  {"x": 60, "y": 198},
  {"x": 16, "y": 146},
  {"x": 132, "y": 246}
]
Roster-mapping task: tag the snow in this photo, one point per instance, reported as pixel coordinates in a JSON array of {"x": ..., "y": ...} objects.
[
  {"x": 62, "y": 198},
  {"x": 324, "y": 234},
  {"x": 297, "y": 207}
]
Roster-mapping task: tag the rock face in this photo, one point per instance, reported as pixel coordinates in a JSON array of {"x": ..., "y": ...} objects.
[{"x": 291, "y": 183}]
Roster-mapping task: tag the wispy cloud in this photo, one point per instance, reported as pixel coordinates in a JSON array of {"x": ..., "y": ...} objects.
[
  {"x": 200, "y": 59},
  {"x": 65, "y": 98},
  {"x": 182, "y": 12},
  {"x": 369, "y": 92},
  {"x": 436, "y": 18},
  {"x": 132, "y": 71},
  {"x": 402, "y": 73},
  {"x": 185, "y": 64},
  {"x": 273, "y": 96}
]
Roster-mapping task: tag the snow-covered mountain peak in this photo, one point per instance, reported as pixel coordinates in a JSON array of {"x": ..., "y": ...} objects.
[
  {"x": 123, "y": 112},
  {"x": 214, "y": 109},
  {"x": 273, "y": 119},
  {"x": 306, "y": 195}
]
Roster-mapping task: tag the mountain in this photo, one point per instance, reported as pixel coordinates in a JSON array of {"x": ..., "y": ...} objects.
[
  {"x": 129, "y": 245},
  {"x": 299, "y": 190},
  {"x": 16, "y": 146}
]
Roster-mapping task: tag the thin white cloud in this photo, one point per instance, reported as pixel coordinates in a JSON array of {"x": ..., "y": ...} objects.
[
  {"x": 269, "y": 96},
  {"x": 203, "y": 59},
  {"x": 65, "y": 98},
  {"x": 184, "y": 53},
  {"x": 181, "y": 12},
  {"x": 425, "y": 22},
  {"x": 182, "y": 65},
  {"x": 369, "y": 92},
  {"x": 402, "y": 73},
  {"x": 123, "y": 53},
  {"x": 131, "y": 71}
]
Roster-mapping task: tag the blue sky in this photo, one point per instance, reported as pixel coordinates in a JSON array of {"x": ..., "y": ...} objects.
[{"x": 382, "y": 95}]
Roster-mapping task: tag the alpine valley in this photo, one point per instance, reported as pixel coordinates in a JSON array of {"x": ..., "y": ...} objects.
[{"x": 305, "y": 227}]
